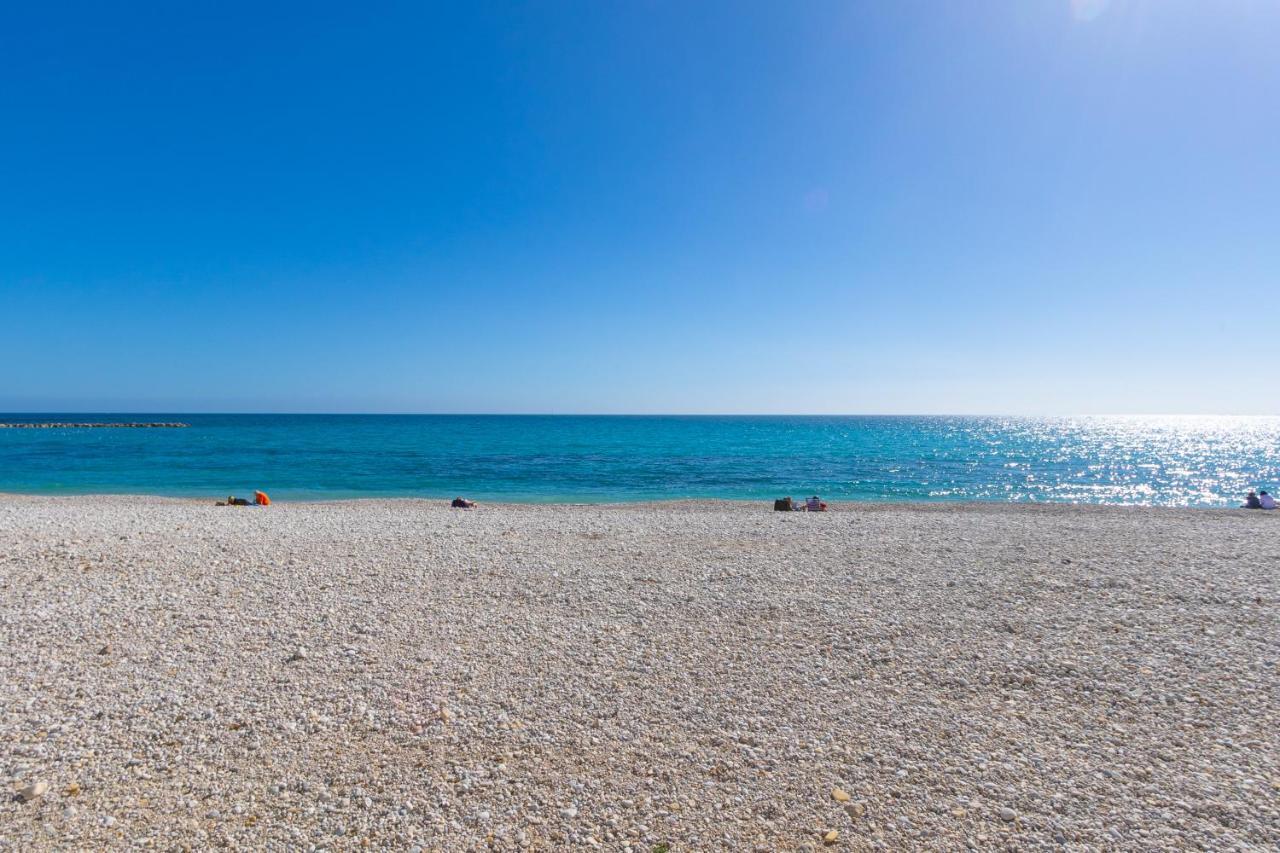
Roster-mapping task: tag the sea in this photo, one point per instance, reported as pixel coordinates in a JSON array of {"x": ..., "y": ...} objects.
[{"x": 1157, "y": 461}]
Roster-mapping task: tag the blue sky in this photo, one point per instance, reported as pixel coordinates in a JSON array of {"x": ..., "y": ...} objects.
[{"x": 1040, "y": 206}]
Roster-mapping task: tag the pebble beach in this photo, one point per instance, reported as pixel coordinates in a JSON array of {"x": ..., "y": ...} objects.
[{"x": 395, "y": 674}]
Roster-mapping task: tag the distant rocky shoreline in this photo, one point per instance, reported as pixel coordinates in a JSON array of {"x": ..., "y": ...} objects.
[{"x": 52, "y": 425}]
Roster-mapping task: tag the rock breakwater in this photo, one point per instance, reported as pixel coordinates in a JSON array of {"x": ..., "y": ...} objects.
[{"x": 108, "y": 425}]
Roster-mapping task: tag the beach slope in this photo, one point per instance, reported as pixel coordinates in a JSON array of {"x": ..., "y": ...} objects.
[{"x": 715, "y": 676}]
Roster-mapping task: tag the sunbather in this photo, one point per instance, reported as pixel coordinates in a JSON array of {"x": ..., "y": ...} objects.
[{"x": 259, "y": 499}]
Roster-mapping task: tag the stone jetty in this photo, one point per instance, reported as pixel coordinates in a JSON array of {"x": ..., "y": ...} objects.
[{"x": 61, "y": 425}]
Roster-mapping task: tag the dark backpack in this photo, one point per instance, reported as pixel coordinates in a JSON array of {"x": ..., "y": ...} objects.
[{"x": 782, "y": 505}]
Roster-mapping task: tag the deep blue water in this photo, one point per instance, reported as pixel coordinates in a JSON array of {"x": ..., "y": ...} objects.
[{"x": 1167, "y": 461}]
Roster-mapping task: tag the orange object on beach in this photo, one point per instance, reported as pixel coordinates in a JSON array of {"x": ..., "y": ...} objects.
[{"x": 261, "y": 499}]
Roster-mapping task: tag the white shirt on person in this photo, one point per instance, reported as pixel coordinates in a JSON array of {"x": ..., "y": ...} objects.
[{"x": 1267, "y": 501}]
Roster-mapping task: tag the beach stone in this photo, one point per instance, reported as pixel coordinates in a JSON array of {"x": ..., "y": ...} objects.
[
  {"x": 32, "y": 791},
  {"x": 1007, "y": 814},
  {"x": 840, "y": 796}
]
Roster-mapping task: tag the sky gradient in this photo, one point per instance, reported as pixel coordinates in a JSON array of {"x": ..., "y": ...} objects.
[{"x": 1042, "y": 207}]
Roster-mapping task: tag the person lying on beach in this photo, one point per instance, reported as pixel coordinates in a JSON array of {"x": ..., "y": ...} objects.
[
  {"x": 1265, "y": 501},
  {"x": 462, "y": 503},
  {"x": 1251, "y": 500},
  {"x": 259, "y": 499}
]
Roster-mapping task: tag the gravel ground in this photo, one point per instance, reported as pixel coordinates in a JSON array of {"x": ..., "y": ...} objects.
[{"x": 396, "y": 673}]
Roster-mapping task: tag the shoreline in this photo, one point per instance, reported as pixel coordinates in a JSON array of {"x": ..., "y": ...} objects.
[{"x": 837, "y": 507}]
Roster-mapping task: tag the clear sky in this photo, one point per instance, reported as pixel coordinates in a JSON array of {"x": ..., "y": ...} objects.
[{"x": 873, "y": 206}]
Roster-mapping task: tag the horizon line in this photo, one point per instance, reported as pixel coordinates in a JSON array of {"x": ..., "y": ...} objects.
[{"x": 7, "y": 414}]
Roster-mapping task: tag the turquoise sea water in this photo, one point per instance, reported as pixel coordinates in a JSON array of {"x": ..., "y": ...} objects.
[{"x": 1163, "y": 461}]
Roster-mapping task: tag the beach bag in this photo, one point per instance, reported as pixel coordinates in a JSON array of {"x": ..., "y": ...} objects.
[{"x": 782, "y": 505}]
